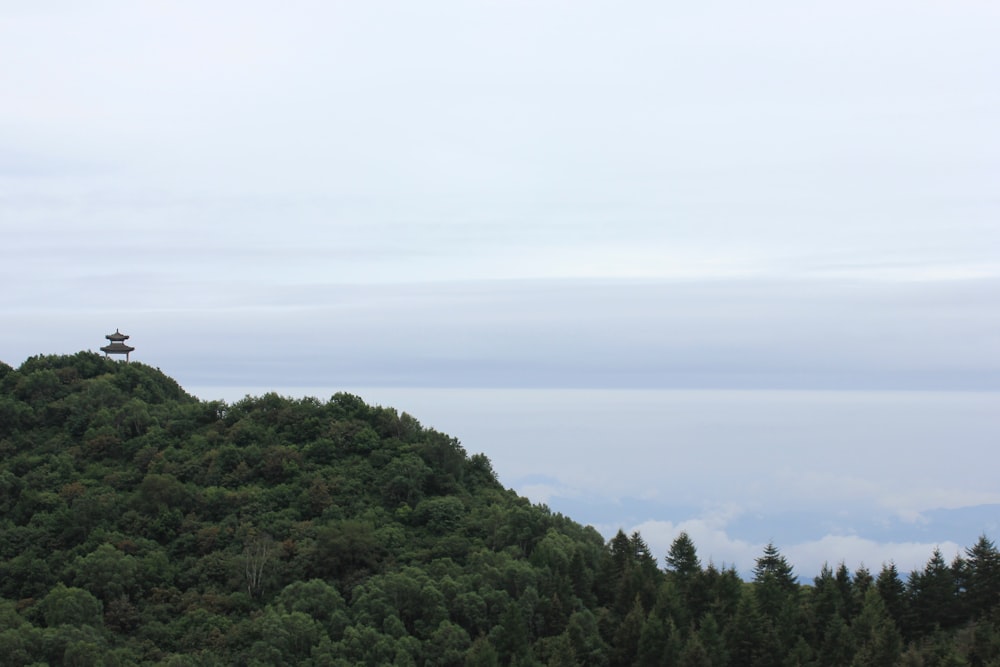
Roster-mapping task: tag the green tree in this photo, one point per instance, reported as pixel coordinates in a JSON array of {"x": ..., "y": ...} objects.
[
  {"x": 933, "y": 596},
  {"x": 441, "y": 515},
  {"x": 772, "y": 564},
  {"x": 892, "y": 590},
  {"x": 694, "y": 654},
  {"x": 561, "y": 653},
  {"x": 628, "y": 635},
  {"x": 510, "y": 636},
  {"x": 724, "y": 590},
  {"x": 447, "y": 645},
  {"x": 403, "y": 480},
  {"x": 660, "y": 642},
  {"x": 878, "y": 640},
  {"x": 837, "y": 643},
  {"x": 682, "y": 559},
  {"x": 588, "y": 645},
  {"x": 482, "y": 654},
  {"x": 981, "y": 579},
  {"x": 684, "y": 569},
  {"x": 107, "y": 572},
  {"x": 289, "y": 637},
  {"x": 629, "y": 570},
  {"x": 346, "y": 548},
  {"x": 826, "y": 599},
  {"x": 713, "y": 640},
  {"x": 408, "y": 595},
  {"x": 318, "y": 600},
  {"x": 71, "y": 606},
  {"x": 777, "y": 594},
  {"x": 19, "y": 640},
  {"x": 845, "y": 590},
  {"x": 746, "y": 637}
]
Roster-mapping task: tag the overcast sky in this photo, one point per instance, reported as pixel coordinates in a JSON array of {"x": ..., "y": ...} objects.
[
  {"x": 720, "y": 195},
  {"x": 516, "y": 193}
]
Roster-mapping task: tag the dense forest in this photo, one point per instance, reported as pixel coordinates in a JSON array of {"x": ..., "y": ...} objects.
[{"x": 140, "y": 525}]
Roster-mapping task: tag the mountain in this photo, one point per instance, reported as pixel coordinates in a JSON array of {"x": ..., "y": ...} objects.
[{"x": 140, "y": 525}]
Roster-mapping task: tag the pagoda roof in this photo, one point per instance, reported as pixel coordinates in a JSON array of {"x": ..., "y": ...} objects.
[
  {"x": 117, "y": 336},
  {"x": 117, "y": 347}
]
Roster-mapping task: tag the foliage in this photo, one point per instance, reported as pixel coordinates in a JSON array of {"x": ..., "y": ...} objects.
[{"x": 140, "y": 525}]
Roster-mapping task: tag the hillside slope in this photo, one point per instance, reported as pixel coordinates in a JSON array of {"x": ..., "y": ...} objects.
[{"x": 140, "y": 525}]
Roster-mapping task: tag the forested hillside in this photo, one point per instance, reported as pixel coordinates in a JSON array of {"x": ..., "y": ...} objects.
[{"x": 139, "y": 525}]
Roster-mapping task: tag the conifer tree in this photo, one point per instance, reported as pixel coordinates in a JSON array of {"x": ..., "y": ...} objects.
[
  {"x": 775, "y": 582},
  {"x": 694, "y": 654},
  {"x": 826, "y": 599},
  {"x": 628, "y": 635},
  {"x": 878, "y": 639},
  {"x": 837, "y": 645},
  {"x": 933, "y": 595},
  {"x": 982, "y": 577},
  {"x": 777, "y": 595},
  {"x": 682, "y": 559},
  {"x": 863, "y": 580},
  {"x": 684, "y": 570},
  {"x": 845, "y": 590},
  {"x": 772, "y": 563},
  {"x": 893, "y": 593},
  {"x": 724, "y": 589},
  {"x": 746, "y": 635},
  {"x": 711, "y": 637},
  {"x": 562, "y": 652},
  {"x": 659, "y": 643}
]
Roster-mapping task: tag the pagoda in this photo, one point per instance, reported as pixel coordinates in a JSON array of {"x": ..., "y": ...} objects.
[{"x": 117, "y": 345}]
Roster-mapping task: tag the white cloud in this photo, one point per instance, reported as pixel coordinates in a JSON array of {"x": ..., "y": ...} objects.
[
  {"x": 807, "y": 558},
  {"x": 855, "y": 551},
  {"x": 543, "y": 493},
  {"x": 710, "y": 538},
  {"x": 908, "y": 502}
]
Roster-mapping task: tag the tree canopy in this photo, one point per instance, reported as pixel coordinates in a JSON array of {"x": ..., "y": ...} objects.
[{"x": 141, "y": 525}]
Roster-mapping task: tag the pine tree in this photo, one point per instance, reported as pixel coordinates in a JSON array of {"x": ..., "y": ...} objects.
[
  {"x": 773, "y": 564},
  {"x": 684, "y": 571},
  {"x": 837, "y": 646},
  {"x": 511, "y": 635},
  {"x": 933, "y": 596},
  {"x": 775, "y": 583},
  {"x": 628, "y": 635},
  {"x": 694, "y": 654},
  {"x": 682, "y": 559},
  {"x": 893, "y": 593},
  {"x": 712, "y": 639},
  {"x": 745, "y": 637},
  {"x": 723, "y": 589},
  {"x": 777, "y": 594},
  {"x": 629, "y": 570},
  {"x": 659, "y": 643},
  {"x": 982, "y": 577},
  {"x": 863, "y": 580},
  {"x": 826, "y": 599},
  {"x": 562, "y": 652},
  {"x": 878, "y": 639},
  {"x": 845, "y": 590}
]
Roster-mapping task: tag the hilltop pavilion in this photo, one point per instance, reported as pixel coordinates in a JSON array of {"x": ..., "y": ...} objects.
[{"x": 117, "y": 345}]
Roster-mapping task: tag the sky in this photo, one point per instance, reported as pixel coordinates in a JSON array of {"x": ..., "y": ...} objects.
[{"x": 784, "y": 209}]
